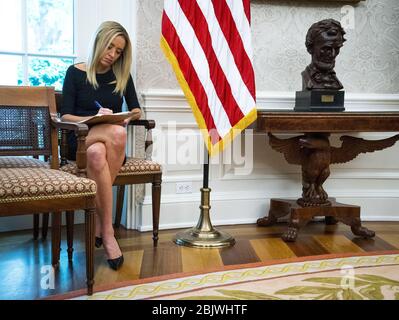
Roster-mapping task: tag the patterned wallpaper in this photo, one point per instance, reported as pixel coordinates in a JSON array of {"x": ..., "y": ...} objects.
[{"x": 368, "y": 62}]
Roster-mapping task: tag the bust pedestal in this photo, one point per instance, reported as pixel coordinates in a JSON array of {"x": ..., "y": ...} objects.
[{"x": 319, "y": 100}]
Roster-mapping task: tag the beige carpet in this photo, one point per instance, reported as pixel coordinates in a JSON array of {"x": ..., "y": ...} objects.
[{"x": 368, "y": 276}]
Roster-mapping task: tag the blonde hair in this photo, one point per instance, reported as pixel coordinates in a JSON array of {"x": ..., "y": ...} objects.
[{"x": 104, "y": 35}]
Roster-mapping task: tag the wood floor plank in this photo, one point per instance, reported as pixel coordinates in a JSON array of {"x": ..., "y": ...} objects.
[
  {"x": 373, "y": 244},
  {"x": 130, "y": 269},
  {"x": 245, "y": 230},
  {"x": 271, "y": 248},
  {"x": 337, "y": 244},
  {"x": 194, "y": 259},
  {"x": 306, "y": 246},
  {"x": 391, "y": 239},
  {"x": 164, "y": 259},
  {"x": 241, "y": 253},
  {"x": 104, "y": 274},
  {"x": 137, "y": 242},
  {"x": 132, "y": 266}
]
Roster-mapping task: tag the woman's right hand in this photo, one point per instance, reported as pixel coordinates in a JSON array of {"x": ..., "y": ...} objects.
[{"x": 105, "y": 111}]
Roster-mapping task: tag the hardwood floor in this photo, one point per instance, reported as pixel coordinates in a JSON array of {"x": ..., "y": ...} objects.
[{"x": 24, "y": 262}]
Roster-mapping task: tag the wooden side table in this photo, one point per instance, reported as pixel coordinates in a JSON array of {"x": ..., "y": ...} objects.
[{"x": 313, "y": 152}]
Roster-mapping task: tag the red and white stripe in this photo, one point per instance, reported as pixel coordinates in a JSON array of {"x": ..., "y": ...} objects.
[{"x": 211, "y": 42}]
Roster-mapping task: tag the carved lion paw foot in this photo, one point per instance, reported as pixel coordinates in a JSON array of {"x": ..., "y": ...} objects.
[
  {"x": 310, "y": 192},
  {"x": 290, "y": 235},
  {"x": 363, "y": 232},
  {"x": 322, "y": 193},
  {"x": 266, "y": 221}
]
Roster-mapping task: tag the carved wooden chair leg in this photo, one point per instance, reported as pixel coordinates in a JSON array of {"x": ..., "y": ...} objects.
[
  {"x": 156, "y": 202},
  {"x": 70, "y": 220},
  {"x": 119, "y": 205},
  {"x": 55, "y": 238},
  {"x": 45, "y": 218},
  {"x": 36, "y": 218},
  {"x": 89, "y": 241}
]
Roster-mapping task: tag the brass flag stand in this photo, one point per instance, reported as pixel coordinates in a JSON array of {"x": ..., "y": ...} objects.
[{"x": 204, "y": 235}]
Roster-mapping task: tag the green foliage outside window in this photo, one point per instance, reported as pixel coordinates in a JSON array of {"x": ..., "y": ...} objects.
[{"x": 48, "y": 72}]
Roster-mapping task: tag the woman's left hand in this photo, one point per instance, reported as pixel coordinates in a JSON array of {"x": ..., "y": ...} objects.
[{"x": 136, "y": 116}]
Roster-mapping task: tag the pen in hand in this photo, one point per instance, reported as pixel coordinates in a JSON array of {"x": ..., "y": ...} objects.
[
  {"x": 101, "y": 109},
  {"x": 98, "y": 105}
]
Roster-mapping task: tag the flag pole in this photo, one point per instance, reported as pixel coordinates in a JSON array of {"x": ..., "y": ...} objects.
[
  {"x": 204, "y": 235},
  {"x": 205, "y": 178}
]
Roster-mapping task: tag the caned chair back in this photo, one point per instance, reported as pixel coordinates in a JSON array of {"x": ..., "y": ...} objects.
[{"x": 25, "y": 122}]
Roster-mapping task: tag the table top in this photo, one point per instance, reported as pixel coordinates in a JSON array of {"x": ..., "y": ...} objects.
[{"x": 347, "y": 121}]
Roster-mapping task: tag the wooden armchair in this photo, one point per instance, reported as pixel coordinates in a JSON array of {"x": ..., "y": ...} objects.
[
  {"x": 28, "y": 127},
  {"x": 134, "y": 171}
]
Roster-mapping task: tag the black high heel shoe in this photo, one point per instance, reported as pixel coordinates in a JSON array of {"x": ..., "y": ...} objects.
[
  {"x": 116, "y": 263},
  {"x": 99, "y": 242}
]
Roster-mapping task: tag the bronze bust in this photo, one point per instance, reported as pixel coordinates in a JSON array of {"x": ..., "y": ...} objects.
[{"x": 323, "y": 41}]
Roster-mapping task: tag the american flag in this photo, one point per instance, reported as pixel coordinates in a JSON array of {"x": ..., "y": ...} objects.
[{"x": 208, "y": 44}]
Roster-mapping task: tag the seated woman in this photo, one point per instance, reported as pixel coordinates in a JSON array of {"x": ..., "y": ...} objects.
[{"x": 98, "y": 87}]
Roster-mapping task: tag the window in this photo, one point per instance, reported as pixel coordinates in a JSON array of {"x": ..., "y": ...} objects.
[{"x": 37, "y": 41}]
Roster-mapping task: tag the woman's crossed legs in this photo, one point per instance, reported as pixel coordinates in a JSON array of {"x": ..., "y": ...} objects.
[{"x": 105, "y": 154}]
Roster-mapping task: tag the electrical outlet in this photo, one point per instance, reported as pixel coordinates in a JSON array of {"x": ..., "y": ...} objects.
[{"x": 184, "y": 187}]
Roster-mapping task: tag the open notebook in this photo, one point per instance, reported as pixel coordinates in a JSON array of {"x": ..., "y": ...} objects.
[{"x": 109, "y": 118}]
